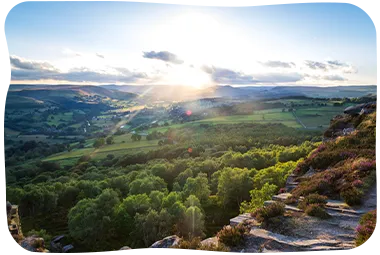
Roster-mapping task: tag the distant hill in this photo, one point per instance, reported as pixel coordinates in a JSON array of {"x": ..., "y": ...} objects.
[
  {"x": 174, "y": 92},
  {"x": 48, "y": 90},
  {"x": 179, "y": 93},
  {"x": 26, "y": 96}
]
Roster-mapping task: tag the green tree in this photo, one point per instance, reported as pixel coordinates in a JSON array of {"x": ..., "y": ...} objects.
[
  {"x": 233, "y": 186},
  {"x": 90, "y": 221},
  {"x": 99, "y": 142},
  {"x": 147, "y": 185},
  {"x": 258, "y": 197},
  {"x": 193, "y": 223},
  {"x": 110, "y": 140},
  {"x": 198, "y": 187}
]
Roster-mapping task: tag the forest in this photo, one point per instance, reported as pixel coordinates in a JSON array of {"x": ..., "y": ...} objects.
[{"x": 190, "y": 187}]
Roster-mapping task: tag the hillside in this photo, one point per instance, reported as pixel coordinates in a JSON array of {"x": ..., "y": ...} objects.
[
  {"x": 41, "y": 92},
  {"x": 328, "y": 202},
  {"x": 165, "y": 92},
  {"x": 191, "y": 178}
]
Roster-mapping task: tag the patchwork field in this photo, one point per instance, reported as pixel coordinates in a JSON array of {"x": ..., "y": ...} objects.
[
  {"x": 313, "y": 117},
  {"x": 122, "y": 145}
]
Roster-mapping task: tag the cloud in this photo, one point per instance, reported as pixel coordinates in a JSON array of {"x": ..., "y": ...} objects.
[
  {"x": 279, "y": 77},
  {"x": 331, "y": 65},
  {"x": 324, "y": 78},
  {"x": 22, "y": 63},
  {"x": 333, "y": 77},
  {"x": 278, "y": 64},
  {"x": 316, "y": 65},
  {"x": 228, "y": 76},
  {"x": 207, "y": 69},
  {"x": 165, "y": 56},
  {"x": 336, "y": 63},
  {"x": 99, "y": 55},
  {"x": 23, "y": 69}
]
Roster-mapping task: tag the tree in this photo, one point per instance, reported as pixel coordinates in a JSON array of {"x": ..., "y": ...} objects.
[
  {"x": 234, "y": 186},
  {"x": 147, "y": 185},
  {"x": 110, "y": 140},
  {"x": 258, "y": 197},
  {"x": 136, "y": 137},
  {"x": 198, "y": 187},
  {"x": 99, "y": 142},
  {"x": 90, "y": 221},
  {"x": 152, "y": 226},
  {"x": 193, "y": 223}
]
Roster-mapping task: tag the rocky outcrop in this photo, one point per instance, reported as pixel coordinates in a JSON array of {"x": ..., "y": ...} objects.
[
  {"x": 34, "y": 244},
  {"x": 306, "y": 233},
  {"x": 167, "y": 242},
  {"x": 361, "y": 109},
  {"x": 31, "y": 243}
]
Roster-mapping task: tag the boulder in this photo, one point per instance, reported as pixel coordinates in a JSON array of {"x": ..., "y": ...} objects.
[
  {"x": 125, "y": 250},
  {"x": 33, "y": 243},
  {"x": 167, "y": 242},
  {"x": 210, "y": 241},
  {"x": 9, "y": 207}
]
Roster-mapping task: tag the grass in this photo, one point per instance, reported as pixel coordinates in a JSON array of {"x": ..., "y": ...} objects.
[
  {"x": 118, "y": 148},
  {"x": 262, "y": 117},
  {"x": 11, "y": 132},
  {"x": 318, "y": 116},
  {"x": 59, "y": 118}
]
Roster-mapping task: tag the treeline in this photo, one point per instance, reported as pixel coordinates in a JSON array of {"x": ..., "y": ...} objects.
[{"x": 24, "y": 151}]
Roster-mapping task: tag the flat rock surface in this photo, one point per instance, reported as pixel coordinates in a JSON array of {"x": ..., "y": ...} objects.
[
  {"x": 281, "y": 197},
  {"x": 293, "y": 241},
  {"x": 287, "y": 207},
  {"x": 240, "y": 218}
]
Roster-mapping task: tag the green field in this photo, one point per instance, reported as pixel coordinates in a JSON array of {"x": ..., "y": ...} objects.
[
  {"x": 311, "y": 117},
  {"x": 59, "y": 118},
  {"x": 123, "y": 144},
  {"x": 11, "y": 132},
  {"x": 263, "y": 117},
  {"x": 318, "y": 116}
]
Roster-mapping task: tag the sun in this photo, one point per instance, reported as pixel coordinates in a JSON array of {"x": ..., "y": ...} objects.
[{"x": 192, "y": 76}]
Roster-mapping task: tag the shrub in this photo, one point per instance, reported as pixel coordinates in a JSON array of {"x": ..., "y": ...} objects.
[
  {"x": 41, "y": 233},
  {"x": 188, "y": 244},
  {"x": 291, "y": 200},
  {"x": 366, "y": 227},
  {"x": 232, "y": 235},
  {"x": 84, "y": 158},
  {"x": 313, "y": 199},
  {"x": 357, "y": 183},
  {"x": 213, "y": 247},
  {"x": 317, "y": 210},
  {"x": 38, "y": 243},
  {"x": 364, "y": 164},
  {"x": 283, "y": 225},
  {"x": 352, "y": 196},
  {"x": 264, "y": 213}
]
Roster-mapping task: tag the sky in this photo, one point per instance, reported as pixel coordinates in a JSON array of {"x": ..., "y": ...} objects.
[{"x": 97, "y": 43}]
